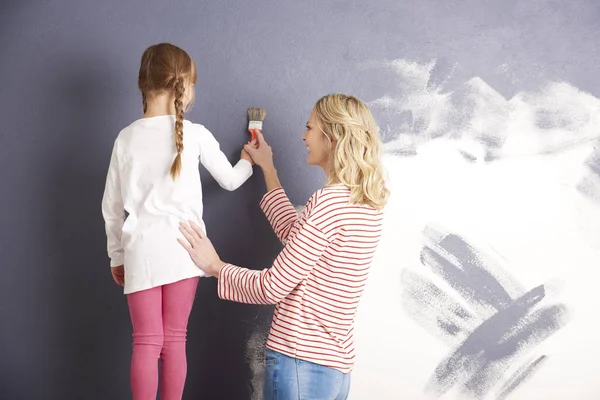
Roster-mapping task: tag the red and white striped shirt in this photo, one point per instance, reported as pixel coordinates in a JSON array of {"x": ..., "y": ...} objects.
[{"x": 317, "y": 279}]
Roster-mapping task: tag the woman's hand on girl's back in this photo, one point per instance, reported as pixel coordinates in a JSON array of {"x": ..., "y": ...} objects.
[{"x": 200, "y": 249}]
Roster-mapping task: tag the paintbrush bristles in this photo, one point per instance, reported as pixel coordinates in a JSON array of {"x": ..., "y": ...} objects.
[{"x": 257, "y": 114}]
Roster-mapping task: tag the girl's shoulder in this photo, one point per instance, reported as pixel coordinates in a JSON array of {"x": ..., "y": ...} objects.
[
  {"x": 197, "y": 131},
  {"x": 157, "y": 123},
  {"x": 194, "y": 126}
]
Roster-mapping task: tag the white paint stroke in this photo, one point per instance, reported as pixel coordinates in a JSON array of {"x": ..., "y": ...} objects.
[
  {"x": 557, "y": 117},
  {"x": 527, "y": 206}
]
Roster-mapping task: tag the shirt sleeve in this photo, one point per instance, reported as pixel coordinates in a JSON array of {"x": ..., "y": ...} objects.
[
  {"x": 280, "y": 213},
  {"x": 113, "y": 211},
  {"x": 270, "y": 286},
  {"x": 216, "y": 163}
]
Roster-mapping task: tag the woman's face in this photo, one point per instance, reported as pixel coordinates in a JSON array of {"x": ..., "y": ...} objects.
[{"x": 318, "y": 147}]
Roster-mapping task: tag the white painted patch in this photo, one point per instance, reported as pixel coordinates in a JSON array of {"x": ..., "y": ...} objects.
[
  {"x": 529, "y": 221},
  {"x": 525, "y": 207}
]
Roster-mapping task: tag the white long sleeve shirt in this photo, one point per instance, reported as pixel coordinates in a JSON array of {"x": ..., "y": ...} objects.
[{"x": 142, "y": 205}]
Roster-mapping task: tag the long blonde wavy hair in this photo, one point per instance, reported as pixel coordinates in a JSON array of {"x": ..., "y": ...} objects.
[{"x": 352, "y": 133}]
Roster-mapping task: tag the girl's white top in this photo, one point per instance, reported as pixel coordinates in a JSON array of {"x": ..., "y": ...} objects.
[{"x": 143, "y": 206}]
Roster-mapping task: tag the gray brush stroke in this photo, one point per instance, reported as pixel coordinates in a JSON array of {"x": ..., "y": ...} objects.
[
  {"x": 434, "y": 310},
  {"x": 465, "y": 273},
  {"x": 487, "y": 335},
  {"x": 559, "y": 119},
  {"x": 479, "y": 362},
  {"x": 468, "y": 156},
  {"x": 536, "y": 328},
  {"x": 513, "y": 325},
  {"x": 520, "y": 377},
  {"x": 457, "y": 251},
  {"x": 401, "y": 152},
  {"x": 441, "y": 72}
]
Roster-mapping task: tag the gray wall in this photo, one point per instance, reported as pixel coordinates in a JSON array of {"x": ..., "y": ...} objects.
[{"x": 69, "y": 71}]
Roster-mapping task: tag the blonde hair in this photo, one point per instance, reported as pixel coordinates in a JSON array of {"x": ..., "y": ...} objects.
[
  {"x": 351, "y": 130},
  {"x": 166, "y": 67}
]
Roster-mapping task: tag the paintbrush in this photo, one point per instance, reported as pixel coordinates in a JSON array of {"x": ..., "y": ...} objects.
[{"x": 255, "y": 120}]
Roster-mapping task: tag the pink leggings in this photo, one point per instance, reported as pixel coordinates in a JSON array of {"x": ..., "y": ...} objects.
[{"x": 159, "y": 317}]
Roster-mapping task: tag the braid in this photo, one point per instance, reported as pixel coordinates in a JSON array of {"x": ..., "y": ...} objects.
[
  {"x": 179, "y": 91},
  {"x": 144, "y": 102}
]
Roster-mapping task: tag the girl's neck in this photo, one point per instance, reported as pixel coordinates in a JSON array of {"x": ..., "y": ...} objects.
[{"x": 161, "y": 104}]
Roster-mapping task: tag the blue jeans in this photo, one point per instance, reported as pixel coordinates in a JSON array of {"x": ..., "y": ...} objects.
[{"x": 288, "y": 378}]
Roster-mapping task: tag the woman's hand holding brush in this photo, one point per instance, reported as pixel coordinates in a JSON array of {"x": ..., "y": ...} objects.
[{"x": 262, "y": 155}]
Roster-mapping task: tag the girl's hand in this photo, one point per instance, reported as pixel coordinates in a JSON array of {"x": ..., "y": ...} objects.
[
  {"x": 261, "y": 153},
  {"x": 200, "y": 249},
  {"x": 245, "y": 155},
  {"x": 118, "y": 274}
]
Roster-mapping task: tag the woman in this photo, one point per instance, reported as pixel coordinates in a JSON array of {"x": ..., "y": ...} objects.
[{"x": 318, "y": 278}]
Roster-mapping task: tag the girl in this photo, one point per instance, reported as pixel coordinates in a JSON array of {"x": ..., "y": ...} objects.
[
  {"x": 152, "y": 183},
  {"x": 319, "y": 276}
]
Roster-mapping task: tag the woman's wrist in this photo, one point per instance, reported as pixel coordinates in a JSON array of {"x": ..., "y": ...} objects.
[
  {"x": 271, "y": 178},
  {"x": 269, "y": 169},
  {"x": 217, "y": 267}
]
